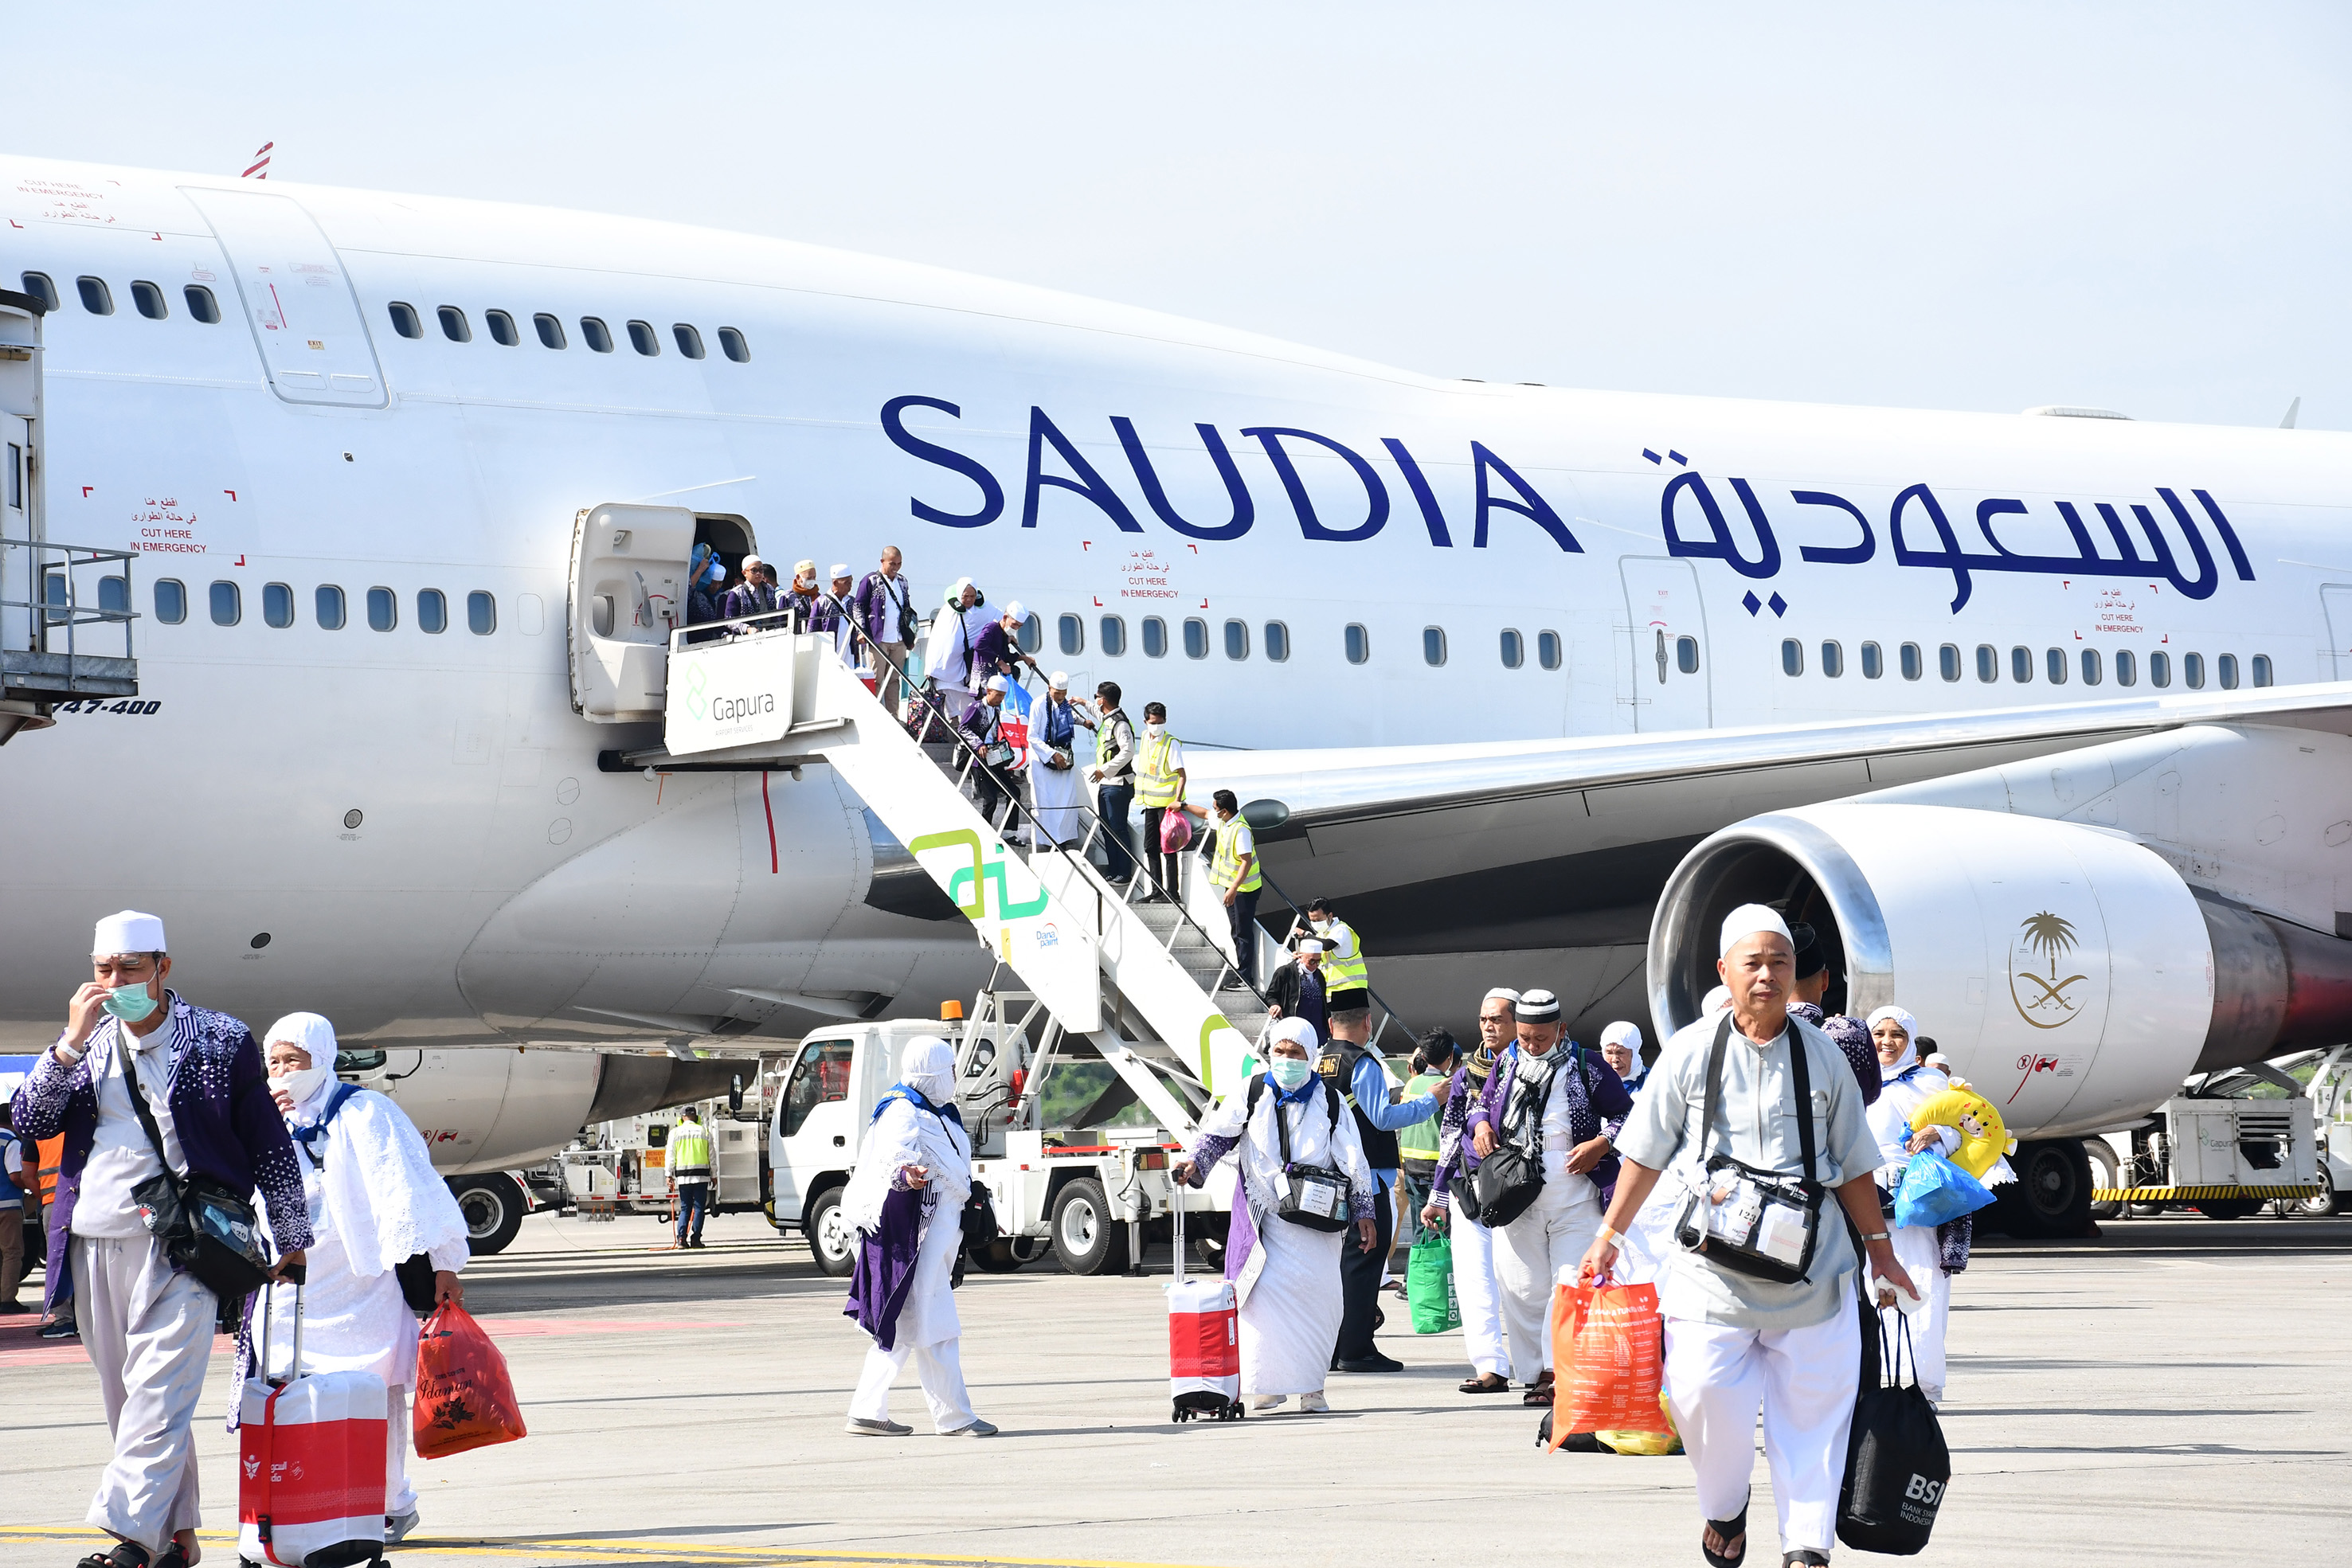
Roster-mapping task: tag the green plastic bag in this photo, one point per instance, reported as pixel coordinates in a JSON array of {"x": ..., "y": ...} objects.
[{"x": 1429, "y": 1287}]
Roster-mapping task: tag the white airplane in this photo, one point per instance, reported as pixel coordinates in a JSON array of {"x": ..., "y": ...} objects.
[{"x": 2031, "y": 715}]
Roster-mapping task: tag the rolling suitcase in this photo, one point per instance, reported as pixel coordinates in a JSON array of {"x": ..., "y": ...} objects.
[
  {"x": 1204, "y": 1348},
  {"x": 310, "y": 1470}
]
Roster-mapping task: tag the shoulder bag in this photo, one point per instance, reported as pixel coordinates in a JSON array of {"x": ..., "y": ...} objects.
[
  {"x": 1755, "y": 1222},
  {"x": 206, "y": 1229},
  {"x": 1313, "y": 1196},
  {"x": 1508, "y": 1181}
]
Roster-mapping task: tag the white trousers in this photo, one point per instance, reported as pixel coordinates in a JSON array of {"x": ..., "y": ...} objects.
[
  {"x": 938, "y": 1368},
  {"x": 149, "y": 1334},
  {"x": 1803, "y": 1379},
  {"x": 1529, "y": 1253},
  {"x": 1475, "y": 1292},
  {"x": 1917, "y": 1249},
  {"x": 399, "y": 1492}
]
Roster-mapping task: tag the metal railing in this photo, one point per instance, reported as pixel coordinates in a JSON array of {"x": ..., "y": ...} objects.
[{"x": 53, "y": 611}]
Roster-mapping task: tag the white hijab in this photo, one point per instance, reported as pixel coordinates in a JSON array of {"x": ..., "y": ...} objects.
[{"x": 1910, "y": 1027}]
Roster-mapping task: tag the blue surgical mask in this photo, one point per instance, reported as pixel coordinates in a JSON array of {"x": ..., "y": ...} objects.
[
  {"x": 131, "y": 1004},
  {"x": 1290, "y": 1071}
]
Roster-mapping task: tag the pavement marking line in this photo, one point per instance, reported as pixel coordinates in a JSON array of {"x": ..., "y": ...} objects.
[{"x": 623, "y": 1552}]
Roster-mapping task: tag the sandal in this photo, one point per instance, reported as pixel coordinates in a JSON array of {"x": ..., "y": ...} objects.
[
  {"x": 1730, "y": 1530},
  {"x": 1805, "y": 1557},
  {"x": 1485, "y": 1382},
  {"x": 1539, "y": 1393},
  {"x": 126, "y": 1554},
  {"x": 174, "y": 1556}
]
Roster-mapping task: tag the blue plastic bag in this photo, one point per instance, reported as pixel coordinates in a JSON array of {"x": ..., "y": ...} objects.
[{"x": 1936, "y": 1192}]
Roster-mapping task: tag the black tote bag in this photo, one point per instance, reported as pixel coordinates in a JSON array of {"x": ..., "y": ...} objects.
[{"x": 1896, "y": 1466}]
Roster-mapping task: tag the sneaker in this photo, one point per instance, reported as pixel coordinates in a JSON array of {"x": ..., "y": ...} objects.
[
  {"x": 976, "y": 1429},
  {"x": 1266, "y": 1401},
  {"x": 59, "y": 1330},
  {"x": 1314, "y": 1404},
  {"x": 861, "y": 1428},
  {"x": 397, "y": 1526}
]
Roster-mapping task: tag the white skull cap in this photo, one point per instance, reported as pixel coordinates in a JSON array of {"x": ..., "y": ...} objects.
[
  {"x": 1503, "y": 993},
  {"x": 314, "y": 1033},
  {"x": 1622, "y": 1033},
  {"x": 1309, "y": 944},
  {"x": 838, "y": 571},
  {"x": 998, "y": 683},
  {"x": 1747, "y": 921},
  {"x": 1058, "y": 680},
  {"x": 127, "y": 932},
  {"x": 1016, "y": 610}
]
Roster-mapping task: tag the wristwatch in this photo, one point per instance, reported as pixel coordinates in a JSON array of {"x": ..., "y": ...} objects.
[{"x": 1875, "y": 1235}]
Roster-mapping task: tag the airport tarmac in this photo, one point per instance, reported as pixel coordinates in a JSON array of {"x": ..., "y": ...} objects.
[{"x": 2174, "y": 1392}]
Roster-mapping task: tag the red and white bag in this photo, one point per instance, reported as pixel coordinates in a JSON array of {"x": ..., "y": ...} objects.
[
  {"x": 310, "y": 1473},
  {"x": 1204, "y": 1347}
]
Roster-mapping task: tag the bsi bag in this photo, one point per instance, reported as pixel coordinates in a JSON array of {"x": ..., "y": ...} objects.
[
  {"x": 1754, "y": 1222},
  {"x": 1313, "y": 1196},
  {"x": 206, "y": 1229},
  {"x": 1897, "y": 1465}
]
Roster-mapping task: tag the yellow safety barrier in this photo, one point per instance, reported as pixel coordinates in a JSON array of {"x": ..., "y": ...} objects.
[{"x": 2192, "y": 1194}]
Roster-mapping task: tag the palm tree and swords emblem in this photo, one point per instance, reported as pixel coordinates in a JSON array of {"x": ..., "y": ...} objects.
[{"x": 2043, "y": 1003}]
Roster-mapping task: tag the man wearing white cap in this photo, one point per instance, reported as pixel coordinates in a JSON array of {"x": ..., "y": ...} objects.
[
  {"x": 1055, "y": 793},
  {"x": 147, "y": 1327},
  {"x": 1773, "y": 1094},
  {"x": 982, "y": 728},
  {"x": 1484, "y": 1336},
  {"x": 886, "y": 607},
  {"x": 834, "y": 615}
]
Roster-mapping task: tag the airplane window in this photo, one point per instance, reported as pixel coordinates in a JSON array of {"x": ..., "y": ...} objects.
[
  {"x": 2126, "y": 670},
  {"x": 171, "y": 601},
  {"x": 2020, "y": 665},
  {"x": 1947, "y": 661},
  {"x": 1155, "y": 637},
  {"x": 2226, "y": 666},
  {"x": 2091, "y": 671},
  {"x": 2192, "y": 671},
  {"x": 2159, "y": 669},
  {"x": 1687, "y": 655},
  {"x": 384, "y": 610},
  {"x": 689, "y": 341},
  {"x": 731, "y": 344},
  {"x": 201, "y": 304},
  {"x": 1987, "y": 663},
  {"x": 13, "y": 497},
  {"x": 431, "y": 611},
  {"x": 114, "y": 594},
  {"x": 481, "y": 613},
  {"x": 54, "y": 591},
  {"x": 1032, "y": 636},
  {"x": 503, "y": 328},
  {"x": 1832, "y": 660},
  {"x": 1196, "y": 638},
  {"x": 404, "y": 321},
  {"x": 327, "y": 607},
  {"x": 1114, "y": 635},
  {"x": 1547, "y": 650},
  {"x": 1236, "y": 639},
  {"x": 642, "y": 339},
  {"x": 551, "y": 331},
  {"x": 1277, "y": 641},
  {"x": 1792, "y": 657},
  {"x": 38, "y": 286},
  {"x": 96, "y": 298},
  {"x": 1913, "y": 668},
  {"x": 1874, "y": 663},
  {"x": 2262, "y": 669},
  {"x": 2055, "y": 662},
  {"x": 1074, "y": 634},
  {"x": 1514, "y": 649},
  {"x": 594, "y": 333},
  {"x": 149, "y": 300},
  {"x": 277, "y": 604},
  {"x": 228, "y": 604},
  {"x": 1433, "y": 645},
  {"x": 1358, "y": 643},
  {"x": 453, "y": 324}
]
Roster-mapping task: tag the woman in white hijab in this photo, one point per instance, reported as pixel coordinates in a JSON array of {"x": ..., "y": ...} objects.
[
  {"x": 907, "y": 1198},
  {"x": 375, "y": 1203},
  {"x": 1906, "y": 1082}
]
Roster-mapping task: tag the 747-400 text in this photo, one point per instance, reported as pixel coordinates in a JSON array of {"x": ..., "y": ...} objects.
[{"x": 100, "y": 704}]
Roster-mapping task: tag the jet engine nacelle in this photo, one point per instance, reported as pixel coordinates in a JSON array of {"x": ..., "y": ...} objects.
[{"x": 2066, "y": 971}]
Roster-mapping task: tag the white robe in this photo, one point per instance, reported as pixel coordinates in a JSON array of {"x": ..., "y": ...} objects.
[
  {"x": 1289, "y": 1286},
  {"x": 905, "y": 1136},
  {"x": 1916, "y": 1246},
  {"x": 1055, "y": 794}
]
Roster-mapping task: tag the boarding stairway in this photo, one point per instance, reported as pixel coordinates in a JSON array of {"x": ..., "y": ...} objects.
[{"x": 1144, "y": 973}]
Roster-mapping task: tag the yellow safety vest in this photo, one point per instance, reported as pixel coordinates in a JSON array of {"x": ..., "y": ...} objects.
[
  {"x": 689, "y": 1151},
  {"x": 1155, "y": 783},
  {"x": 1343, "y": 974},
  {"x": 1226, "y": 864}
]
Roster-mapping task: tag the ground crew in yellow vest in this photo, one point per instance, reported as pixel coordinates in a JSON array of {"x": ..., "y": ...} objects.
[
  {"x": 692, "y": 1170},
  {"x": 1160, "y": 790},
  {"x": 1233, "y": 869},
  {"x": 1347, "y": 982}
]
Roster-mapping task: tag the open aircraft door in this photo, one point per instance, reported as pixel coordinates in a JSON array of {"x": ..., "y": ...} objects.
[{"x": 628, "y": 591}]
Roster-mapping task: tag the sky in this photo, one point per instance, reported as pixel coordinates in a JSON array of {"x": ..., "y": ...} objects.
[{"x": 2139, "y": 207}]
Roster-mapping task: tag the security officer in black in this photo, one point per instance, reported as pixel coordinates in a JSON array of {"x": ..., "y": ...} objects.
[{"x": 1356, "y": 1071}]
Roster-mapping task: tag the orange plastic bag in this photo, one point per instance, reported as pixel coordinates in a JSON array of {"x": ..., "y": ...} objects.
[
  {"x": 1605, "y": 1357},
  {"x": 464, "y": 1397}
]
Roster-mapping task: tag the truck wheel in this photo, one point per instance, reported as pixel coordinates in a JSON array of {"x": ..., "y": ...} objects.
[
  {"x": 493, "y": 1205},
  {"x": 2227, "y": 1207},
  {"x": 1088, "y": 1237},
  {"x": 830, "y": 1236},
  {"x": 996, "y": 1258},
  {"x": 2318, "y": 1206},
  {"x": 2051, "y": 1198},
  {"x": 2106, "y": 1171}
]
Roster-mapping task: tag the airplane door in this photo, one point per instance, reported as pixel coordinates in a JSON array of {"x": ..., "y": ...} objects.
[
  {"x": 2336, "y": 599},
  {"x": 628, "y": 589},
  {"x": 1671, "y": 679},
  {"x": 817, "y": 1130},
  {"x": 300, "y": 305},
  {"x": 15, "y": 523}
]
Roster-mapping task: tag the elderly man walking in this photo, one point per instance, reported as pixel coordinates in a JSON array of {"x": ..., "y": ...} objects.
[
  {"x": 1483, "y": 1335},
  {"x": 148, "y": 1326},
  {"x": 1773, "y": 1094}
]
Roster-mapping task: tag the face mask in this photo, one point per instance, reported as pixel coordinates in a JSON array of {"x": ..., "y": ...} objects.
[
  {"x": 1319, "y": 926},
  {"x": 1290, "y": 1071},
  {"x": 302, "y": 1082},
  {"x": 131, "y": 1004},
  {"x": 1155, "y": 730}
]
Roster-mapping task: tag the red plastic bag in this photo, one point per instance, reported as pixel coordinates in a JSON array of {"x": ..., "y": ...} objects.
[
  {"x": 464, "y": 1397},
  {"x": 1606, "y": 1359}
]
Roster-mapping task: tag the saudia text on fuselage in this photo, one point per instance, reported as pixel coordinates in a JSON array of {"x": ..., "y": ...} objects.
[{"x": 1691, "y": 516}]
